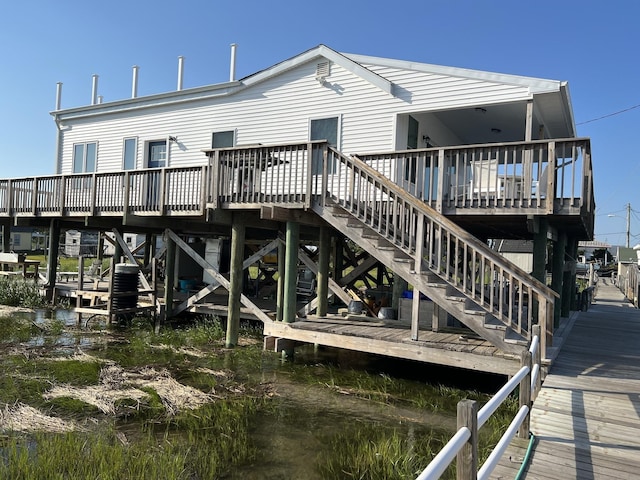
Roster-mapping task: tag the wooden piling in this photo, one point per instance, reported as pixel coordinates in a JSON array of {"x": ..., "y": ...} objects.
[
  {"x": 323, "y": 272},
  {"x": 235, "y": 291},
  {"x": 291, "y": 271}
]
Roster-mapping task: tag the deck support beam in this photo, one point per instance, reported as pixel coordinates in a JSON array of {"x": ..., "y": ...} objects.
[
  {"x": 323, "y": 272},
  {"x": 169, "y": 275},
  {"x": 557, "y": 275},
  {"x": 238, "y": 231},
  {"x": 6, "y": 235},
  {"x": 569, "y": 281},
  {"x": 280, "y": 283},
  {"x": 291, "y": 271},
  {"x": 52, "y": 261}
]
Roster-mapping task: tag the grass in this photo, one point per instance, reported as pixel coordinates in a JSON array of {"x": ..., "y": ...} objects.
[
  {"x": 202, "y": 444},
  {"x": 19, "y": 292},
  {"x": 372, "y": 452}
]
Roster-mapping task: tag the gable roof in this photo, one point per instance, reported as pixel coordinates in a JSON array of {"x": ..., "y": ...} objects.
[{"x": 357, "y": 64}]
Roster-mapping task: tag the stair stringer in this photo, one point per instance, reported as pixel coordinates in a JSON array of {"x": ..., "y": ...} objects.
[{"x": 447, "y": 296}]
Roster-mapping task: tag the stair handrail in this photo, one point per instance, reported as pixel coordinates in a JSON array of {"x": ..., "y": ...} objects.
[{"x": 447, "y": 224}]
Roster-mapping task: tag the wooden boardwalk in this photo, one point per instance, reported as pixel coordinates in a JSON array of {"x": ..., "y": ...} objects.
[{"x": 586, "y": 419}]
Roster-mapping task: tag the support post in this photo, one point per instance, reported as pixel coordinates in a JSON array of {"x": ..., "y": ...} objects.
[
  {"x": 415, "y": 314},
  {"x": 52, "y": 260},
  {"x": 169, "y": 275},
  {"x": 569, "y": 280},
  {"x": 238, "y": 230},
  {"x": 540, "y": 250},
  {"x": 467, "y": 458},
  {"x": 6, "y": 236},
  {"x": 323, "y": 272},
  {"x": 280, "y": 284},
  {"x": 557, "y": 274},
  {"x": 399, "y": 286},
  {"x": 117, "y": 249},
  {"x": 525, "y": 394},
  {"x": 291, "y": 271}
]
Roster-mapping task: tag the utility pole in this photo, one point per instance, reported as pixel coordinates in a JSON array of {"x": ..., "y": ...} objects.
[{"x": 628, "y": 223}]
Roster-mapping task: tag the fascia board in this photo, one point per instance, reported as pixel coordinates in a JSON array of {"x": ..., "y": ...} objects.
[
  {"x": 149, "y": 101},
  {"x": 328, "y": 53},
  {"x": 535, "y": 85}
]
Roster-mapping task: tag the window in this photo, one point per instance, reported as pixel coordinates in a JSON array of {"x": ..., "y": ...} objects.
[
  {"x": 223, "y": 139},
  {"x": 323, "y": 129},
  {"x": 129, "y": 153},
  {"x": 157, "y": 154},
  {"x": 84, "y": 157}
]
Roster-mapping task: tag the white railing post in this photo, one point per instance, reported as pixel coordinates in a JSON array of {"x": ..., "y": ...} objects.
[
  {"x": 309, "y": 179},
  {"x": 467, "y": 458},
  {"x": 214, "y": 178},
  {"x": 536, "y": 362}
]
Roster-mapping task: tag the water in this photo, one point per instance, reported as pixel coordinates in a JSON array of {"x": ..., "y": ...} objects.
[{"x": 321, "y": 395}]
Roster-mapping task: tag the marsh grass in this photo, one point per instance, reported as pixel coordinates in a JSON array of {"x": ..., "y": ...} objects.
[
  {"x": 372, "y": 452},
  {"x": 19, "y": 292},
  {"x": 17, "y": 330},
  {"x": 203, "y": 443}
]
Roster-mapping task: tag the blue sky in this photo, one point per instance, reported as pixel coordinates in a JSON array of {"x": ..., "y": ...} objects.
[{"x": 591, "y": 44}]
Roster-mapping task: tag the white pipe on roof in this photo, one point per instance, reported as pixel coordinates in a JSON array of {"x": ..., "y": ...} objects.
[
  {"x": 134, "y": 82},
  {"x": 180, "y": 71},
  {"x": 232, "y": 66},
  {"x": 94, "y": 90}
]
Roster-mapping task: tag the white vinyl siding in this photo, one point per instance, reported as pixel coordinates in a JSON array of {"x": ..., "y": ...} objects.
[{"x": 278, "y": 110}]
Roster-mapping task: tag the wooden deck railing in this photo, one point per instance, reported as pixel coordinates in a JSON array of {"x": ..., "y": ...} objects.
[
  {"x": 295, "y": 175},
  {"x": 543, "y": 176},
  {"x": 161, "y": 191},
  {"x": 440, "y": 246}
]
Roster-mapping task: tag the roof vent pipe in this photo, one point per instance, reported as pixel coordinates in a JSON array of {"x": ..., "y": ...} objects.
[
  {"x": 58, "y": 95},
  {"x": 232, "y": 67},
  {"x": 100, "y": 98},
  {"x": 134, "y": 82},
  {"x": 94, "y": 90},
  {"x": 180, "y": 71}
]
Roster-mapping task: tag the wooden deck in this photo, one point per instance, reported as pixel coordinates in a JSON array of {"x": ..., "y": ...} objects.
[
  {"x": 586, "y": 419},
  {"x": 456, "y": 348}
]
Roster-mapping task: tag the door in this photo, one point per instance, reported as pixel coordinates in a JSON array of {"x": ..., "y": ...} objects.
[
  {"x": 413, "y": 164},
  {"x": 323, "y": 129},
  {"x": 157, "y": 158}
]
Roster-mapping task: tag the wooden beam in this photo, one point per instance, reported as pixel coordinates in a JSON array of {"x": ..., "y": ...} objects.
[
  {"x": 238, "y": 231},
  {"x": 207, "y": 267}
]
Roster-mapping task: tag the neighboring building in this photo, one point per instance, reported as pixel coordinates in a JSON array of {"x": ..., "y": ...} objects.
[{"x": 519, "y": 252}]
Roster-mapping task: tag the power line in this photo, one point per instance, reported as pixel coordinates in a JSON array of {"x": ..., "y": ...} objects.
[{"x": 608, "y": 115}]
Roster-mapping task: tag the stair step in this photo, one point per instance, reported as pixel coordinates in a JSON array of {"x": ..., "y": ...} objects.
[
  {"x": 494, "y": 323},
  {"x": 370, "y": 234},
  {"x": 475, "y": 311},
  {"x": 510, "y": 336},
  {"x": 355, "y": 224},
  {"x": 456, "y": 298},
  {"x": 403, "y": 259}
]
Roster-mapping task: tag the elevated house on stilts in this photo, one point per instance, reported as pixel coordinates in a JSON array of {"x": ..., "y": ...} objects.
[{"x": 396, "y": 172}]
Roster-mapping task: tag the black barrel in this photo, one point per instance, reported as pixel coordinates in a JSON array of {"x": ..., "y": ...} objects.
[{"x": 125, "y": 280}]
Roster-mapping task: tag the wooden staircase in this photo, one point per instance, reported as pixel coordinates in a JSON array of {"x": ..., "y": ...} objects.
[{"x": 462, "y": 275}]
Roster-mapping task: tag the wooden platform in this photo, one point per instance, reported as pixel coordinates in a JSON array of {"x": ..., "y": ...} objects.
[
  {"x": 586, "y": 419},
  {"x": 392, "y": 338}
]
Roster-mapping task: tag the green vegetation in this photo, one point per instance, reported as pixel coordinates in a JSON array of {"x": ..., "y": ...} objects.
[
  {"x": 19, "y": 292},
  {"x": 145, "y": 437},
  {"x": 200, "y": 444},
  {"x": 372, "y": 452}
]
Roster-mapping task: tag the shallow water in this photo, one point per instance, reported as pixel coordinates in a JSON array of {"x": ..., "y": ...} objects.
[{"x": 307, "y": 411}]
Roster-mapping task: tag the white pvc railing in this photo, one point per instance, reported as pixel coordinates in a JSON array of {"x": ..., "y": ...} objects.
[{"x": 528, "y": 378}]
